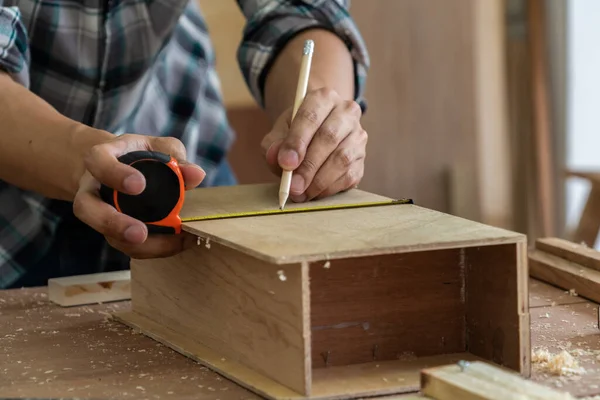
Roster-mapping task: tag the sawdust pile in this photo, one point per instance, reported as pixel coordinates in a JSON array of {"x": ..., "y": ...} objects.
[{"x": 561, "y": 364}]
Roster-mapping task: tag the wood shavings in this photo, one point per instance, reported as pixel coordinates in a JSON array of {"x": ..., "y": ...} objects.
[
  {"x": 282, "y": 276},
  {"x": 572, "y": 292},
  {"x": 560, "y": 364},
  {"x": 546, "y": 315}
]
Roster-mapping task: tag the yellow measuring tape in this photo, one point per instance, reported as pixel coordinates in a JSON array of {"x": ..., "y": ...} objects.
[{"x": 296, "y": 210}]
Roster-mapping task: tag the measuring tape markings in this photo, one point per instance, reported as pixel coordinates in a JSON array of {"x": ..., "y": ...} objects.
[{"x": 296, "y": 210}]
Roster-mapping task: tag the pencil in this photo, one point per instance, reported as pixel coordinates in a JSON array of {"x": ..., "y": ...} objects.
[{"x": 307, "y": 52}]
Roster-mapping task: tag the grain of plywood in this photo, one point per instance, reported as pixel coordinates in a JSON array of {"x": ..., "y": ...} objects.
[
  {"x": 240, "y": 307},
  {"x": 331, "y": 234}
]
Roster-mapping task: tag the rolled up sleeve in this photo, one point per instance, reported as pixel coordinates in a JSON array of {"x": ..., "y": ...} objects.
[
  {"x": 272, "y": 23},
  {"x": 14, "y": 49}
]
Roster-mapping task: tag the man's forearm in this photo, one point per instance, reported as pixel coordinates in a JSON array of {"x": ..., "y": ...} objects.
[
  {"x": 40, "y": 149},
  {"x": 332, "y": 67}
]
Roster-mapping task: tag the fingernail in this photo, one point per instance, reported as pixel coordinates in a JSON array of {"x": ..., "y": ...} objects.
[
  {"x": 297, "y": 185},
  {"x": 134, "y": 183},
  {"x": 289, "y": 158},
  {"x": 135, "y": 234}
]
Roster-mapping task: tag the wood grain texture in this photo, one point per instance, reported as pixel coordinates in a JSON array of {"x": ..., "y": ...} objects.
[
  {"x": 497, "y": 314},
  {"x": 257, "y": 197},
  {"x": 574, "y": 252},
  {"x": 482, "y": 381},
  {"x": 333, "y": 234},
  {"x": 565, "y": 274},
  {"x": 234, "y": 305},
  {"x": 390, "y": 307},
  {"x": 90, "y": 289}
]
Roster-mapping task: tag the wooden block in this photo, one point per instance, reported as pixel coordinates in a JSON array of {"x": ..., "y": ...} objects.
[
  {"x": 90, "y": 289},
  {"x": 565, "y": 274},
  {"x": 577, "y": 253},
  {"x": 482, "y": 381},
  {"x": 335, "y": 304}
]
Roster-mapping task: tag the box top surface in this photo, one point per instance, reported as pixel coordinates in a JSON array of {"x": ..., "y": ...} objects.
[{"x": 331, "y": 234}]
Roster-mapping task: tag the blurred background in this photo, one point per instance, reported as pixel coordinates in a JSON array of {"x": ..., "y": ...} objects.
[{"x": 484, "y": 109}]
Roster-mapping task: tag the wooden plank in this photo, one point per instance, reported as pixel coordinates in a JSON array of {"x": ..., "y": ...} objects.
[
  {"x": 334, "y": 234},
  {"x": 498, "y": 305},
  {"x": 565, "y": 274},
  {"x": 482, "y": 381},
  {"x": 239, "y": 307},
  {"x": 90, "y": 289},
  {"x": 387, "y": 307},
  {"x": 577, "y": 253},
  {"x": 257, "y": 197}
]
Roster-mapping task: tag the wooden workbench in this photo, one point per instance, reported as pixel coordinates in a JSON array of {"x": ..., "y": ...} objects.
[{"x": 46, "y": 350}]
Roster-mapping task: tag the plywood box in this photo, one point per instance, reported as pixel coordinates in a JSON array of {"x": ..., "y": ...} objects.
[{"x": 342, "y": 303}]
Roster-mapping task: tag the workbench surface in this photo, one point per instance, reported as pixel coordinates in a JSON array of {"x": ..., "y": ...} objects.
[{"x": 46, "y": 351}]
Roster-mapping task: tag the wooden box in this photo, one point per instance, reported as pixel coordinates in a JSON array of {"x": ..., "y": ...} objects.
[{"x": 342, "y": 303}]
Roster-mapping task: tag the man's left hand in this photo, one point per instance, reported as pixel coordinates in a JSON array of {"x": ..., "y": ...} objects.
[{"x": 325, "y": 146}]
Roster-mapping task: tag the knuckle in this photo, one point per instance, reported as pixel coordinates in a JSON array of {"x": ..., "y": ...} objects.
[
  {"x": 318, "y": 185},
  {"x": 363, "y": 135},
  {"x": 78, "y": 207},
  {"x": 329, "y": 133},
  {"x": 92, "y": 154},
  {"x": 110, "y": 224},
  {"x": 309, "y": 165},
  {"x": 350, "y": 178},
  {"x": 353, "y": 108},
  {"x": 345, "y": 157},
  {"x": 310, "y": 115},
  {"x": 327, "y": 93},
  {"x": 295, "y": 143}
]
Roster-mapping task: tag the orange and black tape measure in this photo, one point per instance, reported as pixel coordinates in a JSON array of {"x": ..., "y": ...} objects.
[{"x": 158, "y": 206}]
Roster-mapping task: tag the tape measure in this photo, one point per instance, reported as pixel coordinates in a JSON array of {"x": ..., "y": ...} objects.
[
  {"x": 297, "y": 210},
  {"x": 159, "y": 205}
]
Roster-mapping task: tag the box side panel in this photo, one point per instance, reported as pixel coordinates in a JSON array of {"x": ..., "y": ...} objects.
[
  {"x": 387, "y": 307},
  {"x": 497, "y": 305},
  {"x": 246, "y": 310}
]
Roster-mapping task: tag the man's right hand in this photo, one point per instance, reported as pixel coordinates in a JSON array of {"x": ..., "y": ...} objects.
[{"x": 122, "y": 231}]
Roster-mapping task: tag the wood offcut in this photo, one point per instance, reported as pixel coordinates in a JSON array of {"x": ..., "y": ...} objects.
[
  {"x": 90, "y": 289},
  {"x": 567, "y": 265}
]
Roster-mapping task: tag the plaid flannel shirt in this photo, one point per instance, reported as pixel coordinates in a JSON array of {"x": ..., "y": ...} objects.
[{"x": 139, "y": 66}]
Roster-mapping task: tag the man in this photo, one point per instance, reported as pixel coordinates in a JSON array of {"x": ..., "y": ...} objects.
[{"x": 85, "y": 81}]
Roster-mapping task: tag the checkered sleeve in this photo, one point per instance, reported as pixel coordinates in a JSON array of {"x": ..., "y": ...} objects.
[
  {"x": 272, "y": 23},
  {"x": 14, "y": 49}
]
